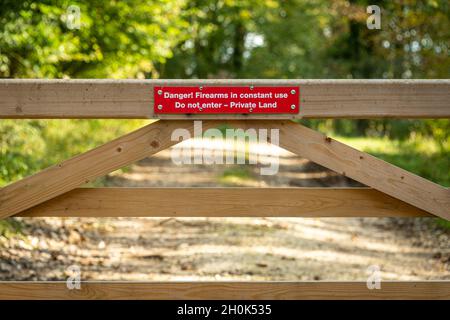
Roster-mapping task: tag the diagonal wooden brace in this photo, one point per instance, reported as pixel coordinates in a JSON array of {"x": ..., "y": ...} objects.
[
  {"x": 364, "y": 168},
  {"x": 88, "y": 166},
  {"x": 155, "y": 137}
]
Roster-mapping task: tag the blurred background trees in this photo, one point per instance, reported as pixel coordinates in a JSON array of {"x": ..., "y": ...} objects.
[
  {"x": 225, "y": 38},
  {"x": 217, "y": 39}
]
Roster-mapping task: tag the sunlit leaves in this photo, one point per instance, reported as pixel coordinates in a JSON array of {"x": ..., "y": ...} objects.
[{"x": 115, "y": 39}]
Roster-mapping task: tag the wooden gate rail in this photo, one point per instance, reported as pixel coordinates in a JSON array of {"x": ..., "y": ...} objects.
[
  {"x": 217, "y": 290},
  {"x": 133, "y": 99},
  {"x": 224, "y": 202},
  {"x": 393, "y": 191}
]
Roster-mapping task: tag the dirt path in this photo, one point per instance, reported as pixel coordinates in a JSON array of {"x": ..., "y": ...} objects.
[{"x": 226, "y": 248}]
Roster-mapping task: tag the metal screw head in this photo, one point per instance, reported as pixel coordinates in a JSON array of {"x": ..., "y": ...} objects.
[
  {"x": 293, "y": 91},
  {"x": 251, "y": 87},
  {"x": 160, "y": 107},
  {"x": 200, "y": 109},
  {"x": 293, "y": 106},
  {"x": 201, "y": 88},
  {"x": 160, "y": 92},
  {"x": 250, "y": 110}
]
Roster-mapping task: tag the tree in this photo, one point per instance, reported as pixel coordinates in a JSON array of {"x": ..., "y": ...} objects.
[{"x": 115, "y": 39}]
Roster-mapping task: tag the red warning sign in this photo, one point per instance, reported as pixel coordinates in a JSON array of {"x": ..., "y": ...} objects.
[{"x": 217, "y": 100}]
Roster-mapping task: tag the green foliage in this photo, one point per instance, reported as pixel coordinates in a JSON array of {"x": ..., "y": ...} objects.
[
  {"x": 22, "y": 149},
  {"x": 443, "y": 223},
  {"x": 226, "y": 38},
  {"x": 393, "y": 128},
  {"x": 31, "y": 145},
  {"x": 10, "y": 228},
  {"x": 236, "y": 176},
  {"x": 116, "y": 39}
]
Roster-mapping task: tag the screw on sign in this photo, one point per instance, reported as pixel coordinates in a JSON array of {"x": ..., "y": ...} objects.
[{"x": 227, "y": 100}]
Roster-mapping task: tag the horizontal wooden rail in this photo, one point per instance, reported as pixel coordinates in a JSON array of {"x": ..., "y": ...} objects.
[
  {"x": 123, "y": 99},
  {"x": 413, "y": 290},
  {"x": 224, "y": 202}
]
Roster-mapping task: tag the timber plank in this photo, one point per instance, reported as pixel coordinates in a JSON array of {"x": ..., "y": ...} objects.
[
  {"x": 125, "y": 99},
  {"x": 223, "y": 202},
  {"x": 422, "y": 290}
]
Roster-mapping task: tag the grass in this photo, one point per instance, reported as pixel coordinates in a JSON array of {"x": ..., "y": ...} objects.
[
  {"x": 236, "y": 176},
  {"x": 443, "y": 223},
  {"x": 10, "y": 228}
]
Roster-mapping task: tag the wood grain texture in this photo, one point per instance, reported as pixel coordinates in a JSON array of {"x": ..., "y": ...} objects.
[
  {"x": 223, "y": 202},
  {"x": 424, "y": 290},
  {"x": 124, "y": 99},
  {"x": 303, "y": 141},
  {"x": 363, "y": 167},
  {"x": 90, "y": 165}
]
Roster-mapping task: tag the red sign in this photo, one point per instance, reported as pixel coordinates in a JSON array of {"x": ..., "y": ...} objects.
[{"x": 217, "y": 100}]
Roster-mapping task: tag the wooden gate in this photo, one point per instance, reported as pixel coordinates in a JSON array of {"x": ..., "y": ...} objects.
[{"x": 391, "y": 191}]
